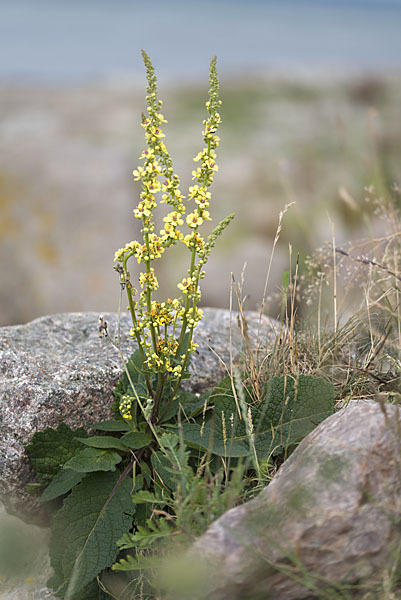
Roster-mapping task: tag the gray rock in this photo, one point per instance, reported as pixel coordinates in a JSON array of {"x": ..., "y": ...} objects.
[
  {"x": 332, "y": 509},
  {"x": 57, "y": 369}
]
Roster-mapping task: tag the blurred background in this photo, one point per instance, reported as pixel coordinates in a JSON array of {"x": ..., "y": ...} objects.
[{"x": 311, "y": 111}]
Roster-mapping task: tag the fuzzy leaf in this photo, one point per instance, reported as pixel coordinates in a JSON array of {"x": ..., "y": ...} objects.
[
  {"x": 91, "y": 592},
  {"x": 61, "y": 483},
  {"x": 211, "y": 439},
  {"x": 290, "y": 409},
  {"x": 110, "y": 425},
  {"x": 164, "y": 475},
  {"x": 85, "y": 531},
  {"x": 50, "y": 449},
  {"x": 192, "y": 404},
  {"x": 136, "y": 439},
  {"x": 104, "y": 442},
  {"x": 294, "y": 406},
  {"x": 93, "y": 459}
]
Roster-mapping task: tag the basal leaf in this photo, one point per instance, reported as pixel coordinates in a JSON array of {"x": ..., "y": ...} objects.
[
  {"x": 93, "y": 459},
  {"x": 104, "y": 441},
  {"x": 291, "y": 408},
  {"x": 192, "y": 404},
  {"x": 61, "y": 483},
  {"x": 220, "y": 434},
  {"x": 163, "y": 472},
  {"x": 85, "y": 532},
  {"x": 91, "y": 592},
  {"x": 294, "y": 405},
  {"x": 111, "y": 425},
  {"x": 50, "y": 449},
  {"x": 211, "y": 439},
  {"x": 136, "y": 439}
]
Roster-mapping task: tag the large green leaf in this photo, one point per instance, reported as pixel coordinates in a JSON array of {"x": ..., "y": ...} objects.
[
  {"x": 111, "y": 425},
  {"x": 290, "y": 409},
  {"x": 164, "y": 474},
  {"x": 93, "y": 459},
  {"x": 220, "y": 433},
  {"x": 50, "y": 449},
  {"x": 61, "y": 483},
  {"x": 136, "y": 439},
  {"x": 91, "y": 591},
  {"x": 104, "y": 442},
  {"x": 85, "y": 532},
  {"x": 192, "y": 404},
  {"x": 211, "y": 438},
  {"x": 294, "y": 406}
]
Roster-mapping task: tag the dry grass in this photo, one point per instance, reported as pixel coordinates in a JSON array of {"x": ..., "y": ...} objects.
[{"x": 350, "y": 335}]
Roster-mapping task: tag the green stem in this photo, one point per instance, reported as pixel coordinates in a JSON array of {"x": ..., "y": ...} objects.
[
  {"x": 149, "y": 298},
  {"x": 134, "y": 319},
  {"x": 158, "y": 397},
  {"x": 191, "y": 332},
  {"x": 187, "y": 306}
]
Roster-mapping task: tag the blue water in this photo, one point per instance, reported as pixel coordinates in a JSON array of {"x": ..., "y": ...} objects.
[{"x": 70, "y": 41}]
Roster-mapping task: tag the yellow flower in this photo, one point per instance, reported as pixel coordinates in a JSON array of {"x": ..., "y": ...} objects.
[
  {"x": 170, "y": 231},
  {"x": 119, "y": 255},
  {"x": 149, "y": 280},
  {"x": 148, "y": 153},
  {"x": 154, "y": 133},
  {"x": 160, "y": 118},
  {"x": 153, "y": 186},
  {"x": 194, "y": 240},
  {"x": 209, "y": 162},
  {"x": 138, "y": 173},
  {"x": 200, "y": 155},
  {"x": 174, "y": 218},
  {"x": 206, "y": 215},
  {"x": 144, "y": 209},
  {"x": 194, "y": 220},
  {"x": 155, "y": 246},
  {"x": 199, "y": 194},
  {"x": 176, "y": 372},
  {"x": 198, "y": 173},
  {"x": 194, "y": 190},
  {"x": 185, "y": 285},
  {"x": 125, "y": 407}
]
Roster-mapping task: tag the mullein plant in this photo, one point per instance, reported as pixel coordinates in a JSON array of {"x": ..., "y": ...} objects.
[
  {"x": 164, "y": 330},
  {"x": 153, "y": 458}
]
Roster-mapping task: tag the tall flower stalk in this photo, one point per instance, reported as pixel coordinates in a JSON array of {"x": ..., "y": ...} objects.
[{"x": 164, "y": 330}]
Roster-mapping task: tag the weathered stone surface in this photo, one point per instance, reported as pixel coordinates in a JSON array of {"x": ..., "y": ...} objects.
[
  {"x": 333, "y": 507},
  {"x": 57, "y": 369}
]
